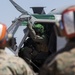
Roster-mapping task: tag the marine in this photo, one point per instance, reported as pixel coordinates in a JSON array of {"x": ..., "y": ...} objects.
[
  {"x": 9, "y": 64},
  {"x": 63, "y": 61}
]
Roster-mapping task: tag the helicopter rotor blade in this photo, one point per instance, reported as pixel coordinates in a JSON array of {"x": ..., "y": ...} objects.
[{"x": 19, "y": 8}]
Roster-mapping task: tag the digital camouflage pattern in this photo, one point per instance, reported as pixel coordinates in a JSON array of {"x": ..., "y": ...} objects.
[
  {"x": 12, "y": 65},
  {"x": 66, "y": 62},
  {"x": 63, "y": 64}
]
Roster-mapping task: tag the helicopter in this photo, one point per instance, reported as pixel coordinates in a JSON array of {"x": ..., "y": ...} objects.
[
  {"x": 37, "y": 17},
  {"x": 20, "y": 24}
]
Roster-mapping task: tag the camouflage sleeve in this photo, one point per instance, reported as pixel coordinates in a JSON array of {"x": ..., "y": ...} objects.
[
  {"x": 19, "y": 67},
  {"x": 33, "y": 35},
  {"x": 64, "y": 64},
  {"x": 15, "y": 66},
  {"x": 5, "y": 71}
]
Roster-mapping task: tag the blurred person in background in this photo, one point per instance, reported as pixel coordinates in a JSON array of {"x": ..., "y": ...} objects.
[
  {"x": 9, "y": 64},
  {"x": 63, "y": 61}
]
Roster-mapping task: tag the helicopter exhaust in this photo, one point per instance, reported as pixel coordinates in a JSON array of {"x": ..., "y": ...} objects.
[{"x": 38, "y": 10}]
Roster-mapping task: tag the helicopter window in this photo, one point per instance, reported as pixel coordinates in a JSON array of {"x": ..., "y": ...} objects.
[{"x": 19, "y": 34}]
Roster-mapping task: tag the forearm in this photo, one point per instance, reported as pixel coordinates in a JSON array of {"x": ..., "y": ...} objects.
[
  {"x": 33, "y": 34},
  {"x": 35, "y": 37}
]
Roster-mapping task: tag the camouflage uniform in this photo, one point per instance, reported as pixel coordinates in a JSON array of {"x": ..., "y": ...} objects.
[
  {"x": 12, "y": 65},
  {"x": 41, "y": 41},
  {"x": 66, "y": 63},
  {"x": 61, "y": 63}
]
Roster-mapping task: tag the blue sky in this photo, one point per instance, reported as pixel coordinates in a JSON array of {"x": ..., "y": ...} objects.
[{"x": 9, "y": 13}]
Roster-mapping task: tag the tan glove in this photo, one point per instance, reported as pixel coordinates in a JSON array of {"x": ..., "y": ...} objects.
[{"x": 29, "y": 25}]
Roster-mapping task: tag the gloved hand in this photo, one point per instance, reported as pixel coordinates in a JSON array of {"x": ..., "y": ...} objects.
[{"x": 29, "y": 25}]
